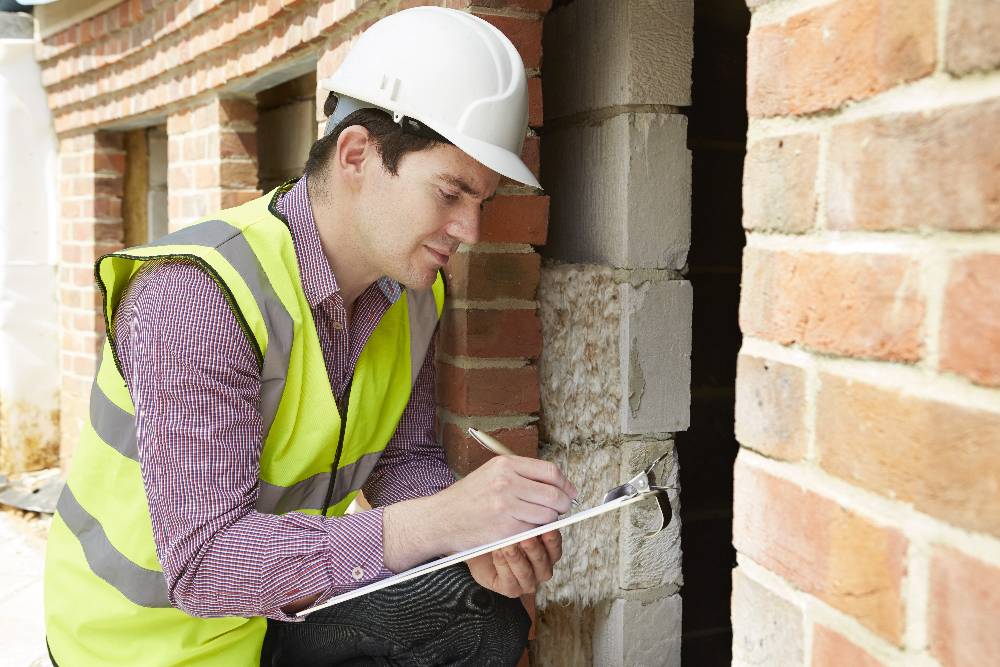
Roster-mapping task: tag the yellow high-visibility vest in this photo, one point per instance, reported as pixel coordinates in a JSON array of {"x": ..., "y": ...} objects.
[{"x": 105, "y": 593}]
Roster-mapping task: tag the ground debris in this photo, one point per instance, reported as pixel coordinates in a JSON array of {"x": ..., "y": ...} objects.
[{"x": 36, "y": 491}]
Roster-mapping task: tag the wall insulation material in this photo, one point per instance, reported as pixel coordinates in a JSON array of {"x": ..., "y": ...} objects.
[
  {"x": 29, "y": 363},
  {"x": 579, "y": 372},
  {"x": 581, "y": 391}
]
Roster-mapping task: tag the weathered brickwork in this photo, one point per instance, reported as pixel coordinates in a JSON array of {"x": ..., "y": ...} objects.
[{"x": 868, "y": 390}]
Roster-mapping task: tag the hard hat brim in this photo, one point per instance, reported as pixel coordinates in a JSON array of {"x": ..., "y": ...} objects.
[{"x": 500, "y": 160}]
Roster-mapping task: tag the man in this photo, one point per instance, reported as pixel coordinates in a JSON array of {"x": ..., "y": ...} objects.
[{"x": 265, "y": 365}]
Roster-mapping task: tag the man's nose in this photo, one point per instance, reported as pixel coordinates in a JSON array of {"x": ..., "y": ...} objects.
[{"x": 465, "y": 228}]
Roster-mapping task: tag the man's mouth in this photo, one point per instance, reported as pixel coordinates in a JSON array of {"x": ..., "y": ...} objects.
[{"x": 440, "y": 257}]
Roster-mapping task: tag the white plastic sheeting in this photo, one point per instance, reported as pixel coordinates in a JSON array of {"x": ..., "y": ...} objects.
[{"x": 29, "y": 343}]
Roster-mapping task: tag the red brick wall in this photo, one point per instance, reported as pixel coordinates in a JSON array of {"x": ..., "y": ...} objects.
[
  {"x": 91, "y": 168},
  {"x": 868, "y": 394}
]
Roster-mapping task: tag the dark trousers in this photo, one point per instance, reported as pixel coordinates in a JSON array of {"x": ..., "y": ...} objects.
[{"x": 443, "y": 618}]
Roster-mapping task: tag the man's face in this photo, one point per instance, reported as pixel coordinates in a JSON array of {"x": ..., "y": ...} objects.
[{"x": 411, "y": 223}]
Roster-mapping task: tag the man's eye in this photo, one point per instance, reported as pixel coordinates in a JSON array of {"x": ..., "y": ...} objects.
[{"x": 448, "y": 196}]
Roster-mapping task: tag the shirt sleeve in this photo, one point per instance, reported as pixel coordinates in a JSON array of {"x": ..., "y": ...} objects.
[
  {"x": 195, "y": 385},
  {"x": 413, "y": 463}
]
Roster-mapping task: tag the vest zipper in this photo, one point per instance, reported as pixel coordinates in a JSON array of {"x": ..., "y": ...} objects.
[{"x": 342, "y": 406}]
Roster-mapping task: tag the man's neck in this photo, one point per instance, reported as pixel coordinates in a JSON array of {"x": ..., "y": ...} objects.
[{"x": 340, "y": 246}]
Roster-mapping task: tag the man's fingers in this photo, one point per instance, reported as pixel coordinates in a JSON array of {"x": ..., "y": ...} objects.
[
  {"x": 506, "y": 583},
  {"x": 520, "y": 567},
  {"x": 552, "y": 541},
  {"x": 543, "y": 471},
  {"x": 536, "y": 515},
  {"x": 538, "y": 556},
  {"x": 543, "y": 494}
]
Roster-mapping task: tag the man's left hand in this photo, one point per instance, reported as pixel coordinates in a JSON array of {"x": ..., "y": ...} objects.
[{"x": 519, "y": 568}]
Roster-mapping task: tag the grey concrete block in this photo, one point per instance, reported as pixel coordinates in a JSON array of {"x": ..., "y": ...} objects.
[
  {"x": 621, "y": 191},
  {"x": 767, "y": 629},
  {"x": 655, "y": 356},
  {"x": 639, "y": 634},
  {"x": 604, "y": 54},
  {"x": 649, "y": 559}
]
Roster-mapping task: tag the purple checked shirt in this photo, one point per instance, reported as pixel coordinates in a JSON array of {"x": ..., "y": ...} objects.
[{"x": 194, "y": 382}]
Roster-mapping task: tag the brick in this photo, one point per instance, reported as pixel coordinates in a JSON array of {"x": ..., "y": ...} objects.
[
  {"x": 860, "y": 305},
  {"x": 842, "y": 558},
  {"x": 767, "y": 629},
  {"x": 492, "y": 333},
  {"x": 779, "y": 184},
  {"x": 465, "y": 454},
  {"x": 232, "y": 198},
  {"x": 109, "y": 141},
  {"x": 108, "y": 185},
  {"x": 973, "y": 38},
  {"x": 535, "y": 111},
  {"x": 109, "y": 162},
  {"x": 825, "y": 56},
  {"x": 488, "y": 391},
  {"x": 942, "y": 457},
  {"x": 515, "y": 219},
  {"x": 238, "y": 174},
  {"x": 484, "y": 276},
  {"x": 237, "y": 144},
  {"x": 873, "y": 161},
  {"x": 236, "y": 111},
  {"x": 770, "y": 407},
  {"x": 525, "y": 34},
  {"x": 832, "y": 649},
  {"x": 970, "y": 321},
  {"x": 531, "y": 154},
  {"x": 963, "y": 608}
]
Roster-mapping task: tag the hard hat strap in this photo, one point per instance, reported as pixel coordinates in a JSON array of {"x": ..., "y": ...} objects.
[
  {"x": 415, "y": 127},
  {"x": 348, "y": 105}
]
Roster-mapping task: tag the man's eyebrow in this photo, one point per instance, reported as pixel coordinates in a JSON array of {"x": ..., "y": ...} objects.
[{"x": 461, "y": 184}]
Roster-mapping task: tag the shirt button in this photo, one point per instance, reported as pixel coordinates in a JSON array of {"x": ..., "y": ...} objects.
[
  {"x": 357, "y": 573},
  {"x": 339, "y": 326}
]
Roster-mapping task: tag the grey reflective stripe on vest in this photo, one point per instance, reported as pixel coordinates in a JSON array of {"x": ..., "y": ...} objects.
[
  {"x": 423, "y": 320},
  {"x": 233, "y": 246},
  {"x": 112, "y": 424},
  {"x": 311, "y": 492},
  {"x": 146, "y": 588}
]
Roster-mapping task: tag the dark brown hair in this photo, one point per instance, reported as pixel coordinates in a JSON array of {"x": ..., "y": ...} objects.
[{"x": 391, "y": 141}]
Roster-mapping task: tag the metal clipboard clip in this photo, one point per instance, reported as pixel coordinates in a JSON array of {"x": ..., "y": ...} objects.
[{"x": 641, "y": 483}]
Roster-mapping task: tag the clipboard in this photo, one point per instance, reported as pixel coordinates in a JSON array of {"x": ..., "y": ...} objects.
[{"x": 640, "y": 487}]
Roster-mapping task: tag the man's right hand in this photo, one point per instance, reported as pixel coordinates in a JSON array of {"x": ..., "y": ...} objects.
[{"x": 504, "y": 496}]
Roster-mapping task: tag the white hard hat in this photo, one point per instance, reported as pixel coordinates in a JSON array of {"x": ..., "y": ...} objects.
[{"x": 449, "y": 70}]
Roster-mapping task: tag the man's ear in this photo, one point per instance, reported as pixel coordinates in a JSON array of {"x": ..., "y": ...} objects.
[{"x": 353, "y": 150}]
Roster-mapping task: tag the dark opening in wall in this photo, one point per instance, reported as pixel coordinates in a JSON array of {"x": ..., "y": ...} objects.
[
  {"x": 717, "y": 139},
  {"x": 144, "y": 206},
  {"x": 286, "y": 128}
]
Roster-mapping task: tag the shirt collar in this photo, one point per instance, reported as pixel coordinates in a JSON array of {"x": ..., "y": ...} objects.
[{"x": 318, "y": 281}]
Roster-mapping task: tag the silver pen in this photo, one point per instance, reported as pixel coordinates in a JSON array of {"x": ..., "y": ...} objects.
[{"x": 497, "y": 447}]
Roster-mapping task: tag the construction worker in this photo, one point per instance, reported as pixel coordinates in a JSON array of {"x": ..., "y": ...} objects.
[{"x": 265, "y": 365}]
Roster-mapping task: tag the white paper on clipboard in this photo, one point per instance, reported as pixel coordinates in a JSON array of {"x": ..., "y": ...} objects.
[{"x": 463, "y": 556}]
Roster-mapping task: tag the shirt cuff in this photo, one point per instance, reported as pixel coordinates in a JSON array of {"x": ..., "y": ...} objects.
[{"x": 356, "y": 553}]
